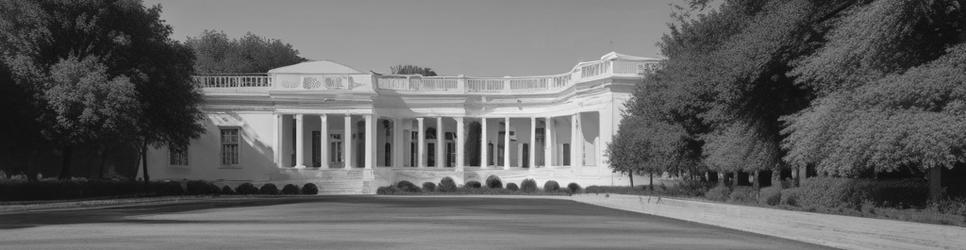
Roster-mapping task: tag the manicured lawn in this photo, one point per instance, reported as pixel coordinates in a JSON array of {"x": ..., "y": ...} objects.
[{"x": 369, "y": 222}]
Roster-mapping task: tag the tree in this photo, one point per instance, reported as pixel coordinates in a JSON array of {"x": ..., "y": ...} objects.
[
  {"x": 100, "y": 71},
  {"x": 891, "y": 80},
  {"x": 411, "y": 70},
  {"x": 636, "y": 148},
  {"x": 218, "y": 54}
]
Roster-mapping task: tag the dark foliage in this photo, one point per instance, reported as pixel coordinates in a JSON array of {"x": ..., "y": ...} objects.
[
  {"x": 551, "y": 186},
  {"x": 528, "y": 186},
  {"x": 743, "y": 195},
  {"x": 512, "y": 186},
  {"x": 268, "y": 188},
  {"x": 718, "y": 193},
  {"x": 493, "y": 181},
  {"x": 429, "y": 187},
  {"x": 246, "y": 189},
  {"x": 446, "y": 185},
  {"x": 407, "y": 186},
  {"x": 771, "y": 196},
  {"x": 226, "y": 190},
  {"x": 828, "y": 192},
  {"x": 573, "y": 187},
  {"x": 310, "y": 188},
  {"x": 198, "y": 187},
  {"x": 77, "y": 189},
  {"x": 473, "y": 184},
  {"x": 290, "y": 189}
]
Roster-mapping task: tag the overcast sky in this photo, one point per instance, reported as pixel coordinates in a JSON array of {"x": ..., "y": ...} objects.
[{"x": 475, "y": 38}]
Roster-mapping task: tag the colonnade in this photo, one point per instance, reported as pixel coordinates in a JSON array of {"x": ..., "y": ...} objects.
[{"x": 396, "y": 145}]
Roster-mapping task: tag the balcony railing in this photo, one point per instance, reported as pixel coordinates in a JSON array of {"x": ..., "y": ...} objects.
[
  {"x": 233, "y": 81},
  {"x": 586, "y": 71}
]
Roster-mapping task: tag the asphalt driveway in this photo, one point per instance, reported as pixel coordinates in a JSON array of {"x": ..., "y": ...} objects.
[{"x": 367, "y": 222}]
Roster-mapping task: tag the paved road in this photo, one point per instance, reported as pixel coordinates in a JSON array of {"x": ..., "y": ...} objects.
[{"x": 369, "y": 222}]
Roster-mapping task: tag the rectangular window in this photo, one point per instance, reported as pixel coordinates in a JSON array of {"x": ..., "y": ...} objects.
[
  {"x": 316, "y": 149},
  {"x": 177, "y": 156},
  {"x": 566, "y": 154},
  {"x": 229, "y": 146}
]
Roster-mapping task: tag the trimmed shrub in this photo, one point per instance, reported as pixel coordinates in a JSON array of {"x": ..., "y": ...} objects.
[
  {"x": 387, "y": 190},
  {"x": 198, "y": 187},
  {"x": 268, "y": 188},
  {"x": 429, "y": 187},
  {"x": 310, "y": 188},
  {"x": 718, "y": 193},
  {"x": 528, "y": 186},
  {"x": 226, "y": 190},
  {"x": 290, "y": 189},
  {"x": 771, "y": 196},
  {"x": 551, "y": 186},
  {"x": 494, "y": 182},
  {"x": 407, "y": 186},
  {"x": 790, "y": 197},
  {"x": 473, "y": 184},
  {"x": 743, "y": 194},
  {"x": 688, "y": 188},
  {"x": 159, "y": 188},
  {"x": 573, "y": 187},
  {"x": 512, "y": 186},
  {"x": 246, "y": 189},
  {"x": 835, "y": 193},
  {"x": 446, "y": 185}
]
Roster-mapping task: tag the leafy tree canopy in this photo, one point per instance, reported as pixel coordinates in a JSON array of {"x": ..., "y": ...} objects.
[
  {"x": 98, "y": 71},
  {"x": 218, "y": 54},
  {"x": 412, "y": 70}
]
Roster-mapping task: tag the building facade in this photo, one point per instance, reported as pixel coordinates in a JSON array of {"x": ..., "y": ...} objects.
[{"x": 351, "y": 132}]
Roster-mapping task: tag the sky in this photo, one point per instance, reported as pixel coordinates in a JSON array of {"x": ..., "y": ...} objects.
[{"x": 473, "y": 38}]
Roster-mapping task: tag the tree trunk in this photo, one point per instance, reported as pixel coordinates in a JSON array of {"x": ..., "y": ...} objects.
[
  {"x": 144, "y": 162},
  {"x": 650, "y": 184},
  {"x": 734, "y": 180},
  {"x": 754, "y": 179},
  {"x": 66, "y": 153},
  {"x": 631, "y": 176},
  {"x": 935, "y": 183},
  {"x": 100, "y": 171}
]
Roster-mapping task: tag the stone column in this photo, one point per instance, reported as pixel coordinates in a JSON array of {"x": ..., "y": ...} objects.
[
  {"x": 506, "y": 144},
  {"x": 299, "y": 142},
  {"x": 421, "y": 138},
  {"x": 532, "y": 155},
  {"x": 440, "y": 143},
  {"x": 347, "y": 142},
  {"x": 459, "y": 143},
  {"x": 324, "y": 141},
  {"x": 397, "y": 142},
  {"x": 278, "y": 140},
  {"x": 370, "y": 134},
  {"x": 483, "y": 154},
  {"x": 573, "y": 140},
  {"x": 548, "y": 142}
]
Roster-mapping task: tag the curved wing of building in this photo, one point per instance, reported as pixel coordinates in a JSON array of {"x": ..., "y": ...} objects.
[{"x": 349, "y": 132}]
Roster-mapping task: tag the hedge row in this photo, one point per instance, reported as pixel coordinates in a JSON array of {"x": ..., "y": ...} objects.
[
  {"x": 50, "y": 189},
  {"x": 492, "y": 185}
]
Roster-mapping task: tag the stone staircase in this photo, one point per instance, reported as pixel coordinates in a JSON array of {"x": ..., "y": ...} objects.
[{"x": 330, "y": 181}]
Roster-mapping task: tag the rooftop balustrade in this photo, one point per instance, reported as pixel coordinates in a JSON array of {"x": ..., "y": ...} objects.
[{"x": 583, "y": 72}]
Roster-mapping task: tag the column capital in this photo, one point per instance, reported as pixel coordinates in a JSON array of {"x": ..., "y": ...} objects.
[
  {"x": 419, "y": 118},
  {"x": 298, "y": 116}
]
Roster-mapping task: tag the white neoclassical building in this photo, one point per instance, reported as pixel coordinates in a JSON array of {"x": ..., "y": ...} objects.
[{"x": 349, "y": 131}]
